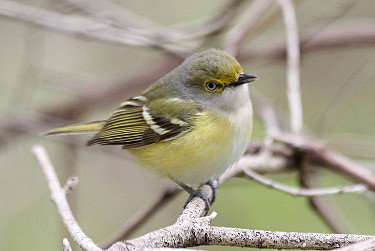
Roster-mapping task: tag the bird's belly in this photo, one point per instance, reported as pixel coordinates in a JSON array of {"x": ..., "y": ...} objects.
[{"x": 205, "y": 152}]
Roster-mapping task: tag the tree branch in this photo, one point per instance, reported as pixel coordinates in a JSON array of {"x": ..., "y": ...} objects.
[
  {"x": 326, "y": 209},
  {"x": 58, "y": 196},
  {"x": 85, "y": 27},
  {"x": 141, "y": 216},
  {"x": 332, "y": 37},
  {"x": 359, "y": 188},
  {"x": 196, "y": 232},
  {"x": 367, "y": 245},
  {"x": 117, "y": 90},
  {"x": 236, "y": 35},
  {"x": 321, "y": 154},
  {"x": 267, "y": 112},
  {"x": 293, "y": 72},
  {"x": 66, "y": 245},
  {"x": 190, "y": 229},
  {"x": 115, "y": 13},
  {"x": 117, "y": 25}
]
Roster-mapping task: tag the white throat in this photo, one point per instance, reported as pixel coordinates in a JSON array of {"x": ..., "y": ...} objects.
[{"x": 231, "y": 100}]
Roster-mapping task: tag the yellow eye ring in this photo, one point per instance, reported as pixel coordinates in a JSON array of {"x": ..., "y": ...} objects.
[{"x": 211, "y": 86}]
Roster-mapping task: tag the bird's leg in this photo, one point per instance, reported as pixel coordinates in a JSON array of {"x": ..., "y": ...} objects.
[
  {"x": 213, "y": 184},
  {"x": 195, "y": 193}
]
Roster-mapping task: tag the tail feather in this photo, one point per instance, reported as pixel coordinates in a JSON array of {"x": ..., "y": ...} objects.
[{"x": 91, "y": 127}]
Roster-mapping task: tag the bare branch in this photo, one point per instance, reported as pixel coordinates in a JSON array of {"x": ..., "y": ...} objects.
[
  {"x": 344, "y": 165},
  {"x": 278, "y": 240},
  {"x": 215, "y": 24},
  {"x": 140, "y": 27},
  {"x": 267, "y": 112},
  {"x": 58, "y": 196},
  {"x": 70, "y": 184},
  {"x": 191, "y": 229},
  {"x": 326, "y": 209},
  {"x": 321, "y": 154},
  {"x": 84, "y": 27},
  {"x": 107, "y": 10},
  {"x": 333, "y": 37},
  {"x": 87, "y": 97},
  {"x": 262, "y": 162},
  {"x": 259, "y": 163},
  {"x": 141, "y": 216},
  {"x": 360, "y": 188},
  {"x": 66, "y": 245},
  {"x": 116, "y": 90},
  {"x": 186, "y": 35},
  {"x": 293, "y": 58},
  {"x": 195, "y": 232},
  {"x": 116, "y": 25},
  {"x": 367, "y": 245},
  {"x": 250, "y": 17},
  {"x": 359, "y": 145}
]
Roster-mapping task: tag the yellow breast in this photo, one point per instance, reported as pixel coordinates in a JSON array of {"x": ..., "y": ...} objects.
[{"x": 205, "y": 151}]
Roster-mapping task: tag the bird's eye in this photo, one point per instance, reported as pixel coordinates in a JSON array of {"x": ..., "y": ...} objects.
[{"x": 211, "y": 86}]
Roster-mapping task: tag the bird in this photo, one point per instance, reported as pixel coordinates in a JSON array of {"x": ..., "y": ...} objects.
[{"x": 189, "y": 126}]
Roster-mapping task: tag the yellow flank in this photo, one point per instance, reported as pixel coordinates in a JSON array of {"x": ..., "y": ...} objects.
[{"x": 199, "y": 148}]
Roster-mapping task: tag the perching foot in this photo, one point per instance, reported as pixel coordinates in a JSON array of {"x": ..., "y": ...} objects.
[
  {"x": 213, "y": 184},
  {"x": 195, "y": 193}
]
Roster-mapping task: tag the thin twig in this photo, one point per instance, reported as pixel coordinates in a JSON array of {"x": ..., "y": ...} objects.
[
  {"x": 107, "y": 10},
  {"x": 357, "y": 145},
  {"x": 141, "y": 216},
  {"x": 28, "y": 78},
  {"x": 118, "y": 28},
  {"x": 325, "y": 209},
  {"x": 328, "y": 158},
  {"x": 359, "y": 188},
  {"x": 261, "y": 162},
  {"x": 367, "y": 245},
  {"x": 192, "y": 230},
  {"x": 340, "y": 36},
  {"x": 66, "y": 245},
  {"x": 107, "y": 93},
  {"x": 195, "y": 230},
  {"x": 293, "y": 58},
  {"x": 344, "y": 7},
  {"x": 140, "y": 27},
  {"x": 84, "y": 27},
  {"x": 267, "y": 112},
  {"x": 58, "y": 196},
  {"x": 88, "y": 97},
  {"x": 250, "y": 17},
  {"x": 215, "y": 24},
  {"x": 70, "y": 184},
  {"x": 336, "y": 36}
]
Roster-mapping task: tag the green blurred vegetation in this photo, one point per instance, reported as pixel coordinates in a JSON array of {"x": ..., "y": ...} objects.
[{"x": 41, "y": 69}]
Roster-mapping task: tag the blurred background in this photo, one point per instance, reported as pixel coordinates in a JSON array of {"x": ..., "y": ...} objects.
[{"x": 86, "y": 57}]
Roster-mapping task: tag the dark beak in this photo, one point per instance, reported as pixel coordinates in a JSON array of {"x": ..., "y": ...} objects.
[{"x": 244, "y": 79}]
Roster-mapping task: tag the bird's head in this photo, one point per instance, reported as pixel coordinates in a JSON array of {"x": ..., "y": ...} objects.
[{"x": 212, "y": 78}]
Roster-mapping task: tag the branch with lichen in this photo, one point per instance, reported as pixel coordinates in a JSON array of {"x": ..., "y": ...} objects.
[{"x": 190, "y": 229}]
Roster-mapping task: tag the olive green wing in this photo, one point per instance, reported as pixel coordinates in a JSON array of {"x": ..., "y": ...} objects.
[{"x": 138, "y": 122}]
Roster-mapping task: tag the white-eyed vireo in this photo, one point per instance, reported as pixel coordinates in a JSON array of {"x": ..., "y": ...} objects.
[{"x": 190, "y": 125}]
